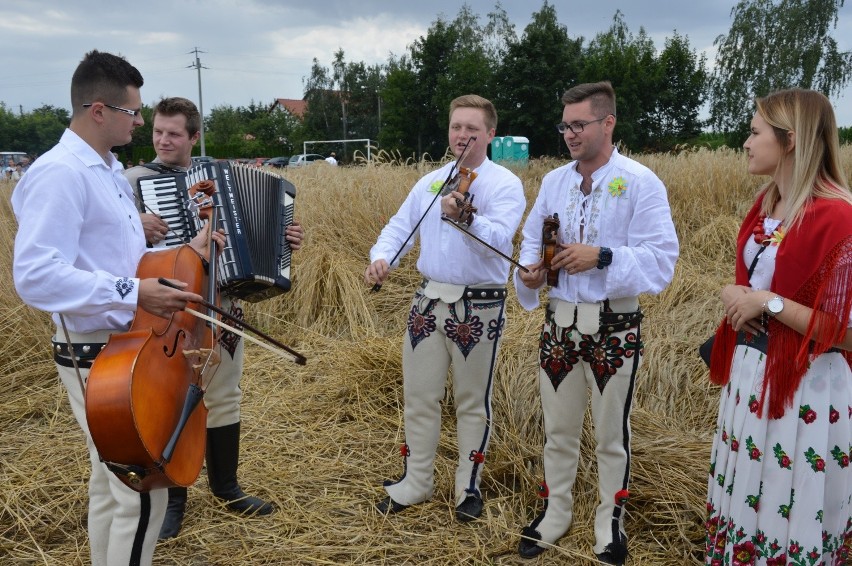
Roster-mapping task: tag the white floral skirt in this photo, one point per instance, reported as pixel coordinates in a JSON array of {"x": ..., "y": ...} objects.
[{"x": 780, "y": 490}]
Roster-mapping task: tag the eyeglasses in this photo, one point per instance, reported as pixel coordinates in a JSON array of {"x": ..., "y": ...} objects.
[
  {"x": 128, "y": 111},
  {"x": 576, "y": 127}
]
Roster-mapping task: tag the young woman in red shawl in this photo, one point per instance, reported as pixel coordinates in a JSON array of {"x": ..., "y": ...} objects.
[{"x": 780, "y": 485}]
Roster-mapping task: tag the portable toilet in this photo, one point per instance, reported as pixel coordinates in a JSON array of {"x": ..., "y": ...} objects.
[
  {"x": 516, "y": 148},
  {"x": 508, "y": 147},
  {"x": 497, "y": 149}
]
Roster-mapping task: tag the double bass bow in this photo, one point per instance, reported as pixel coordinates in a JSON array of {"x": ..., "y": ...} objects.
[{"x": 144, "y": 390}]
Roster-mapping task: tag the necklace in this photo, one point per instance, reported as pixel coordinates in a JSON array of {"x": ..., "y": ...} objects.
[
  {"x": 759, "y": 231},
  {"x": 764, "y": 237}
]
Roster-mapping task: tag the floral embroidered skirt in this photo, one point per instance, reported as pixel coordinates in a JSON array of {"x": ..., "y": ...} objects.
[{"x": 780, "y": 490}]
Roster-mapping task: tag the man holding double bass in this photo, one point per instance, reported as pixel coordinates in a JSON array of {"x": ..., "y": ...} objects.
[{"x": 77, "y": 249}]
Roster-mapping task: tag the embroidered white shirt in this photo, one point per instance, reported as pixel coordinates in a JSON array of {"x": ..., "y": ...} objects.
[
  {"x": 79, "y": 238},
  {"x": 447, "y": 255},
  {"x": 627, "y": 211}
]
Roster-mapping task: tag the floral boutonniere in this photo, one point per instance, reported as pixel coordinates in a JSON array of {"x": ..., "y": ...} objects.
[
  {"x": 777, "y": 236},
  {"x": 435, "y": 187},
  {"x": 617, "y": 187}
]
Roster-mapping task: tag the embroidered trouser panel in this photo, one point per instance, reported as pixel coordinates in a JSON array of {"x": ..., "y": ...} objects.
[
  {"x": 123, "y": 524},
  {"x": 574, "y": 367},
  {"x": 467, "y": 335},
  {"x": 222, "y": 395}
]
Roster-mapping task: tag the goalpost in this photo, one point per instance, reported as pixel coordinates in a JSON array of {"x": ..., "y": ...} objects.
[{"x": 367, "y": 142}]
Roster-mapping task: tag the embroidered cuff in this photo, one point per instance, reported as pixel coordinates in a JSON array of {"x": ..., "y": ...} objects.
[{"x": 126, "y": 290}]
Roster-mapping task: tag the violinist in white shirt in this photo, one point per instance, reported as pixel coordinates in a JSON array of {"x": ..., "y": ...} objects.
[
  {"x": 615, "y": 241},
  {"x": 457, "y": 314}
]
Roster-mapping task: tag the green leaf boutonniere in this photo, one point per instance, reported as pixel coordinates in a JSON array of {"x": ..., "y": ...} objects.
[
  {"x": 435, "y": 187},
  {"x": 617, "y": 187}
]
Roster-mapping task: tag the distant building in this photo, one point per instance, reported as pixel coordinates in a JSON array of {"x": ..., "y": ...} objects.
[{"x": 292, "y": 106}]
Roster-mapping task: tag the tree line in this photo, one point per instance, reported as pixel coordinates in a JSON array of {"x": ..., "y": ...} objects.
[{"x": 402, "y": 104}]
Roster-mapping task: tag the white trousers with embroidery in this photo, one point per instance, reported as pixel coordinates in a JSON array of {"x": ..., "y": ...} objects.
[
  {"x": 564, "y": 407},
  {"x": 465, "y": 334},
  {"x": 222, "y": 394}
]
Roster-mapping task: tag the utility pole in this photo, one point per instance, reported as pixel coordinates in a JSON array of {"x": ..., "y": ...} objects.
[{"x": 198, "y": 67}]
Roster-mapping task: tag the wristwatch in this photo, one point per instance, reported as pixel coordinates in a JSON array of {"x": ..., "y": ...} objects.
[
  {"x": 774, "y": 306},
  {"x": 604, "y": 257}
]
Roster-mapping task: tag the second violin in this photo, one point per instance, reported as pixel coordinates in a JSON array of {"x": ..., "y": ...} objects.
[{"x": 549, "y": 243}]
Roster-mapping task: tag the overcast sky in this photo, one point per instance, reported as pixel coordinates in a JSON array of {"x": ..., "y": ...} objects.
[{"x": 263, "y": 49}]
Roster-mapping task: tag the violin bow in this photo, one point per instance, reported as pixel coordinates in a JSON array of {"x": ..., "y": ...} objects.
[
  {"x": 476, "y": 238},
  {"x": 378, "y": 286}
]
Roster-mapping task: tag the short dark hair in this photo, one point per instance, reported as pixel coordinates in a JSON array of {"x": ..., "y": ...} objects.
[
  {"x": 601, "y": 94},
  {"x": 179, "y": 105},
  {"x": 102, "y": 77}
]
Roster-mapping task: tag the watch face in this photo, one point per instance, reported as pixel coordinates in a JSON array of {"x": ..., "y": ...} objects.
[{"x": 775, "y": 305}]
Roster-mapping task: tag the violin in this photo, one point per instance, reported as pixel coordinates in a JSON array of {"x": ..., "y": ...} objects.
[
  {"x": 461, "y": 183},
  {"x": 144, "y": 390},
  {"x": 549, "y": 242}
]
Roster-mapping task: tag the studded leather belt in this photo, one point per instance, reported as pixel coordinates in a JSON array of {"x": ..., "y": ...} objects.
[{"x": 84, "y": 352}]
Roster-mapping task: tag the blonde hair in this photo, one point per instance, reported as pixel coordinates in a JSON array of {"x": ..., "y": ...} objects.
[
  {"x": 816, "y": 169},
  {"x": 476, "y": 101}
]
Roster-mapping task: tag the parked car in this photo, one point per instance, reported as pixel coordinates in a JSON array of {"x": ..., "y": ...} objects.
[
  {"x": 303, "y": 159},
  {"x": 277, "y": 162}
]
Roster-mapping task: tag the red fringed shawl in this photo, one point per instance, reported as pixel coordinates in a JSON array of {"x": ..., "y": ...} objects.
[{"x": 813, "y": 267}]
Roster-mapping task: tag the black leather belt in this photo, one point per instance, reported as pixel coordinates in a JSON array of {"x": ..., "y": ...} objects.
[
  {"x": 484, "y": 293},
  {"x": 474, "y": 292},
  {"x": 618, "y": 321},
  {"x": 84, "y": 352},
  {"x": 609, "y": 321}
]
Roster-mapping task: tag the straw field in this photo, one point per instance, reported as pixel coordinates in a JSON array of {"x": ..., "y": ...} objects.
[{"x": 319, "y": 440}]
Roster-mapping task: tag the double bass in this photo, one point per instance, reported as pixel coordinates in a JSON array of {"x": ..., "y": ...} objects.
[{"x": 144, "y": 390}]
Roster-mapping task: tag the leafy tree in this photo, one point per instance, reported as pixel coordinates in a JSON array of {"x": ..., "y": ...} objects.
[
  {"x": 629, "y": 62},
  {"x": 343, "y": 103},
  {"x": 451, "y": 60},
  {"x": 773, "y": 45},
  {"x": 400, "y": 88},
  {"x": 535, "y": 72},
  {"x": 225, "y": 125},
  {"x": 682, "y": 80},
  {"x": 41, "y": 129},
  {"x": 274, "y": 129}
]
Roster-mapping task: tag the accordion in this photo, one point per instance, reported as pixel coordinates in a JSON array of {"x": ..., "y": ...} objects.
[{"x": 254, "y": 207}]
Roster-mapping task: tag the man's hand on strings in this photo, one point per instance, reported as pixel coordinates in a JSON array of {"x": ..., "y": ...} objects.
[
  {"x": 201, "y": 244},
  {"x": 576, "y": 258},
  {"x": 154, "y": 227},
  {"x": 450, "y": 205}
]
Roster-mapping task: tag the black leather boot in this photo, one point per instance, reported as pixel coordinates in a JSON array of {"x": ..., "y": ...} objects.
[
  {"x": 223, "y": 453},
  {"x": 174, "y": 513}
]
